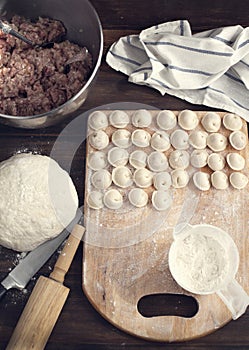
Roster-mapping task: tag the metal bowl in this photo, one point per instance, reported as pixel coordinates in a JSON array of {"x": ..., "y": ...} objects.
[{"x": 83, "y": 27}]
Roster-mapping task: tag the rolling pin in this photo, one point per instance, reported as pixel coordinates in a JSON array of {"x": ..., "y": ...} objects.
[{"x": 46, "y": 301}]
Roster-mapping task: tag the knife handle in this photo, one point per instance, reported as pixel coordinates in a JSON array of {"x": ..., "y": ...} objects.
[
  {"x": 66, "y": 256},
  {"x": 2, "y": 291}
]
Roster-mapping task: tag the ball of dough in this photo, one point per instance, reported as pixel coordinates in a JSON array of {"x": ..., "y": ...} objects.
[
  {"x": 238, "y": 140},
  {"x": 188, "y": 120},
  {"x": 121, "y": 138},
  {"x": 211, "y": 122},
  {"x": 166, "y": 120},
  {"x": 99, "y": 140},
  {"x": 238, "y": 180},
  {"x": 157, "y": 161},
  {"x": 235, "y": 161},
  {"x": 198, "y": 139},
  {"x": 179, "y": 159},
  {"x": 95, "y": 200},
  {"x": 232, "y": 122},
  {"x": 140, "y": 138},
  {"x": 138, "y": 159},
  {"x": 143, "y": 177},
  {"x": 216, "y": 161},
  {"x": 202, "y": 180},
  {"x": 219, "y": 180},
  {"x": 198, "y": 158},
  {"x": 118, "y": 156},
  {"x": 217, "y": 142},
  {"x": 98, "y": 120},
  {"x": 101, "y": 179},
  {"x": 160, "y": 141},
  {"x": 179, "y": 139},
  {"x": 138, "y": 197},
  {"x": 38, "y": 200},
  {"x": 122, "y": 176},
  {"x": 161, "y": 200},
  {"x": 113, "y": 199},
  {"x": 141, "y": 118},
  {"x": 162, "y": 181},
  {"x": 180, "y": 178},
  {"x": 119, "y": 119},
  {"x": 97, "y": 160}
]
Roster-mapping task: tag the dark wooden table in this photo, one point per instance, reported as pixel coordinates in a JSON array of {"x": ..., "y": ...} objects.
[{"x": 80, "y": 326}]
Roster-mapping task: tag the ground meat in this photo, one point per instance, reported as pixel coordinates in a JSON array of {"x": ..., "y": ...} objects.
[{"x": 36, "y": 80}]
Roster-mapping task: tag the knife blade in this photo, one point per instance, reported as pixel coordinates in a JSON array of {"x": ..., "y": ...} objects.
[{"x": 20, "y": 276}]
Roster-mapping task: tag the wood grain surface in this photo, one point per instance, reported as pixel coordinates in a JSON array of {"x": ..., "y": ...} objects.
[
  {"x": 80, "y": 326},
  {"x": 118, "y": 272}
]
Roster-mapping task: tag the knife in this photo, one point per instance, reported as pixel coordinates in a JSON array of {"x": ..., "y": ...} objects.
[{"x": 20, "y": 276}]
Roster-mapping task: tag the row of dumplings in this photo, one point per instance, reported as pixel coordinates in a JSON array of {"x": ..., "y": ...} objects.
[
  {"x": 158, "y": 161},
  {"x": 165, "y": 120},
  {"x": 162, "y": 141},
  {"x": 113, "y": 199}
]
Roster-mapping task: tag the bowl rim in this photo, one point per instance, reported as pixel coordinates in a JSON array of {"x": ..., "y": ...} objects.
[{"x": 72, "y": 99}]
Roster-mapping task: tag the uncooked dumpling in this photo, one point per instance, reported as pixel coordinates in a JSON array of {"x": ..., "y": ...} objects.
[
  {"x": 138, "y": 197},
  {"x": 166, "y": 120},
  {"x": 98, "y": 120},
  {"x": 141, "y": 118},
  {"x": 138, "y": 159},
  {"x": 99, "y": 139},
  {"x": 95, "y": 200},
  {"x": 157, "y": 161},
  {"x": 238, "y": 180},
  {"x": 113, "y": 199},
  {"x": 180, "y": 178},
  {"x": 97, "y": 160},
  {"x": 179, "y": 139},
  {"x": 216, "y": 161},
  {"x": 198, "y": 158},
  {"x": 238, "y": 140},
  {"x": 198, "y": 139},
  {"x": 162, "y": 181},
  {"x": 119, "y": 119},
  {"x": 235, "y": 161},
  {"x": 143, "y": 177},
  {"x": 140, "y": 138},
  {"x": 117, "y": 156},
  {"x": 121, "y": 138},
  {"x": 217, "y": 142},
  {"x": 160, "y": 141},
  {"x": 101, "y": 179},
  {"x": 161, "y": 200},
  {"x": 211, "y": 122},
  {"x": 179, "y": 159},
  {"x": 202, "y": 180},
  {"x": 122, "y": 176},
  {"x": 219, "y": 180},
  {"x": 188, "y": 120},
  {"x": 232, "y": 122}
]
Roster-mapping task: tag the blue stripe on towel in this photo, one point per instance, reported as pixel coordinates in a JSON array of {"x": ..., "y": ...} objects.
[
  {"x": 181, "y": 28},
  {"x": 125, "y": 59},
  {"x": 234, "y": 101},
  {"x": 208, "y": 52}
]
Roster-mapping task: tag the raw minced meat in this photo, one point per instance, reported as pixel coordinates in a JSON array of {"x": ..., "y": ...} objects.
[{"x": 37, "y": 80}]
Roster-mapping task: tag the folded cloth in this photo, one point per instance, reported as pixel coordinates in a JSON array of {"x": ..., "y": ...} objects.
[{"x": 209, "y": 68}]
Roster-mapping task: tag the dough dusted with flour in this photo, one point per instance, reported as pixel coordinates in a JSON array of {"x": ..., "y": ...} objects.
[{"x": 38, "y": 199}]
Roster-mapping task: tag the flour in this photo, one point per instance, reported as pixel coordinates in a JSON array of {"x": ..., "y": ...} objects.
[
  {"x": 201, "y": 262},
  {"x": 38, "y": 199}
]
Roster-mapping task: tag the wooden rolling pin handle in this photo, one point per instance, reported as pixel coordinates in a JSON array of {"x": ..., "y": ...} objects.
[{"x": 64, "y": 261}]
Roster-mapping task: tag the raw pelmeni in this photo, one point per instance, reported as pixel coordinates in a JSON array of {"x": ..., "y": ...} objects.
[
  {"x": 179, "y": 159},
  {"x": 235, "y": 161},
  {"x": 121, "y": 138},
  {"x": 232, "y": 122},
  {"x": 179, "y": 139},
  {"x": 161, "y": 200},
  {"x": 101, "y": 179},
  {"x": 188, "y": 119},
  {"x": 238, "y": 140},
  {"x": 198, "y": 139},
  {"x": 138, "y": 159},
  {"x": 238, "y": 180},
  {"x": 162, "y": 181},
  {"x": 216, "y": 161},
  {"x": 38, "y": 199},
  {"x": 118, "y": 156},
  {"x": 119, "y": 119},
  {"x": 202, "y": 180},
  {"x": 122, "y": 176},
  {"x": 97, "y": 160},
  {"x": 140, "y": 138},
  {"x": 219, "y": 180},
  {"x": 166, "y": 120},
  {"x": 113, "y": 199},
  {"x": 138, "y": 197},
  {"x": 180, "y": 178},
  {"x": 157, "y": 161},
  {"x": 95, "y": 200},
  {"x": 217, "y": 142},
  {"x": 160, "y": 141},
  {"x": 99, "y": 139},
  {"x": 143, "y": 177},
  {"x": 98, "y": 120},
  {"x": 211, "y": 122},
  {"x": 141, "y": 118}
]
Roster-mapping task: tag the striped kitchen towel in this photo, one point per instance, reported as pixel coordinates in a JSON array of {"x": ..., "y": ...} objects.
[{"x": 209, "y": 68}]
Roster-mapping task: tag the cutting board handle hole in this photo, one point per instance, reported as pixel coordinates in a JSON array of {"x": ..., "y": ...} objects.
[{"x": 168, "y": 305}]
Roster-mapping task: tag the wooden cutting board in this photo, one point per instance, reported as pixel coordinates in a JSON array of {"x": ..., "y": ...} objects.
[{"x": 126, "y": 256}]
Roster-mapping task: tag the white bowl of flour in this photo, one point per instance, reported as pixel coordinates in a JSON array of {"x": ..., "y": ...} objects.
[{"x": 204, "y": 259}]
